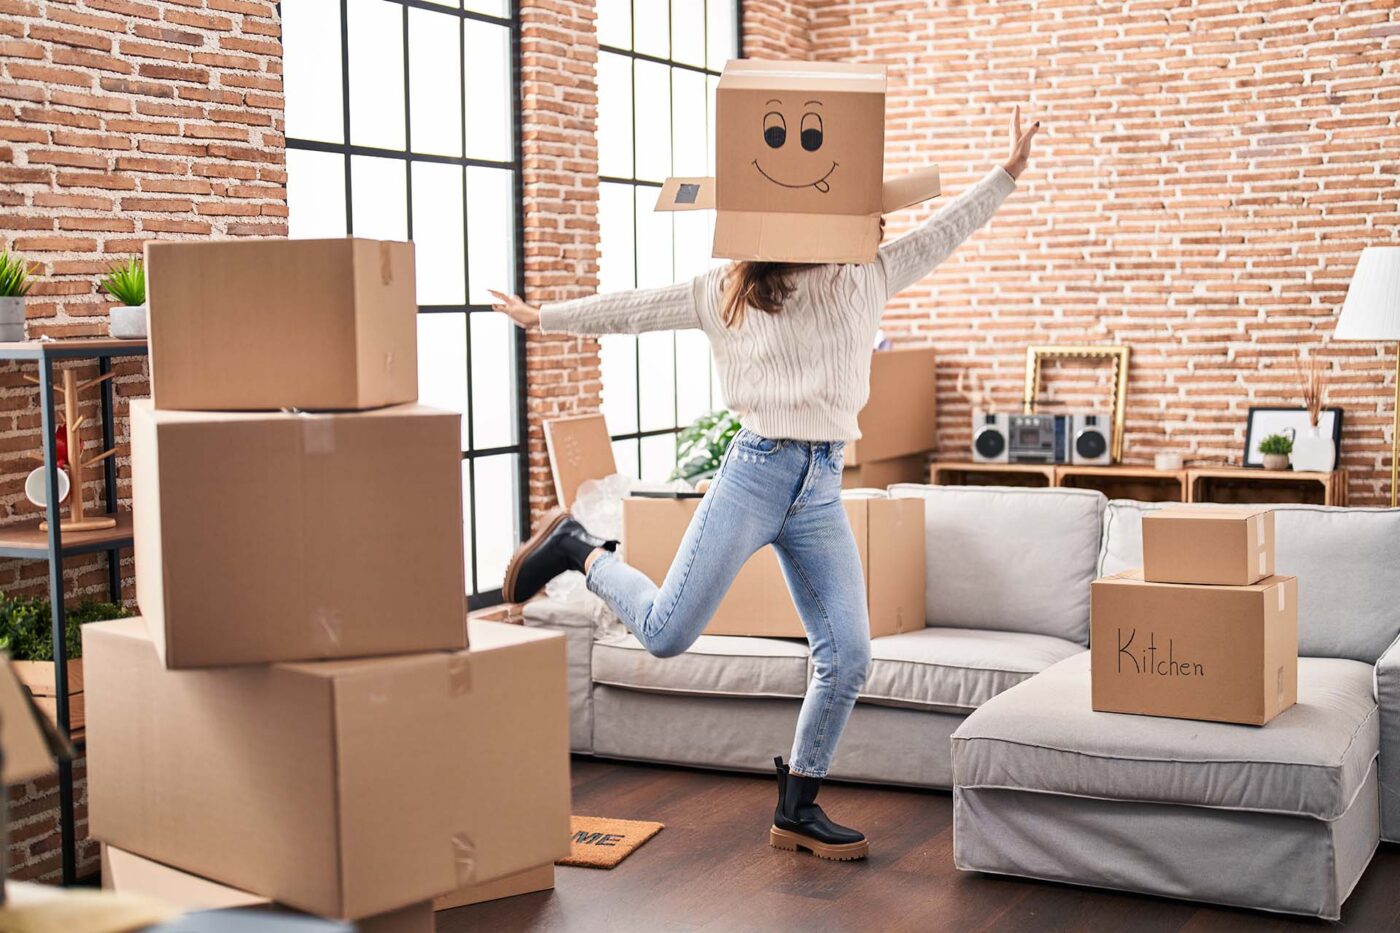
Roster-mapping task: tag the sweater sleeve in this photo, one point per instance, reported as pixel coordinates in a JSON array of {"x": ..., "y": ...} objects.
[
  {"x": 914, "y": 255},
  {"x": 672, "y": 307}
]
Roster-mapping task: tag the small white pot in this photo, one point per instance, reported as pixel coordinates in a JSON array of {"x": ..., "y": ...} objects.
[
  {"x": 128, "y": 322},
  {"x": 12, "y": 319},
  {"x": 1312, "y": 452},
  {"x": 1276, "y": 461}
]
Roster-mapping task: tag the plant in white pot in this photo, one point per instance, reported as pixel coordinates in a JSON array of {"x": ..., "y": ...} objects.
[
  {"x": 1276, "y": 448},
  {"x": 127, "y": 284},
  {"x": 14, "y": 285},
  {"x": 1312, "y": 450}
]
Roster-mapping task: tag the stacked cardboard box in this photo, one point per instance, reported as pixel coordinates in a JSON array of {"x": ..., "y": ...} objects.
[
  {"x": 304, "y": 712},
  {"x": 1205, "y": 630},
  {"x": 898, "y": 425}
]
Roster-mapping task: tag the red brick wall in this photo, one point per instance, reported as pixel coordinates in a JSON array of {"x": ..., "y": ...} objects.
[{"x": 1208, "y": 173}]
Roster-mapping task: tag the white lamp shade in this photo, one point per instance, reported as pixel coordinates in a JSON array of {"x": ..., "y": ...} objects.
[{"x": 1372, "y": 308}]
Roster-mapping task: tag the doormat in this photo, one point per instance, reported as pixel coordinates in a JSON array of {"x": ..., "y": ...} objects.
[{"x": 595, "y": 842}]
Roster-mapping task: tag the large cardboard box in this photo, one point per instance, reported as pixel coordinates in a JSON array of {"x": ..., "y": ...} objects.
[
  {"x": 901, "y": 416},
  {"x": 529, "y": 881},
  {"x": 580, "y": 449},
  {"x": 272, "y": 536},
  {"x": 889, "y": 534},
  {"x": 269, "y": 324},
  {"x": 882, "y": 474},
  {"x": 126, "y": 873},
  {"x": 342, "y": 788},
  {"x": 1227, "y": 547},
  {"x": 799, "y": 164},
  {"x": 1225, "y": 654}
]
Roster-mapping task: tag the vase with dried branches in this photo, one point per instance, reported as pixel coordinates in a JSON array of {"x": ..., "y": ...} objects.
[{"x": 1311, "y": 449}]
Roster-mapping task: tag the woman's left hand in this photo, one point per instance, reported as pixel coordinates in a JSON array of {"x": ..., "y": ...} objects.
[{"x": 1015, "y": 163}]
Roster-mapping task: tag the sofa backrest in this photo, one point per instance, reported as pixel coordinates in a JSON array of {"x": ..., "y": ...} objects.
[
  {"x": 1347, "y": 561},
  {"x": 1012, "y": 559}
]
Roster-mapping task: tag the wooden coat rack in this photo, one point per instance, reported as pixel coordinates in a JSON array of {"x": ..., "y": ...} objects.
[{"x": 77, "y": 520}]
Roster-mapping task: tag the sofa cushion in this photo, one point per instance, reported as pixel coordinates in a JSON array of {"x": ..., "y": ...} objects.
[
  {"x": 1042, "y": 735},
  {"x": 1344, "y": 559},
  {"x": 1009, "y": 559},
  {"x": 956, "y": 669},
  {"x": 715, "y": 664}
]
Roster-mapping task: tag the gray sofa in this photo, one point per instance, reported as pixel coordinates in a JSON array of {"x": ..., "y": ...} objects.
[{"x": 990, "y": 699}]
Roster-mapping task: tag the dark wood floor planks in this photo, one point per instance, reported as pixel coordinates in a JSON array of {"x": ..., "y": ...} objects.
[{"x": 711, "y": 870}]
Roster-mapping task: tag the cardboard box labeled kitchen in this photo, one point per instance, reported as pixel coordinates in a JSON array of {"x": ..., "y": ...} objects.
[
  {"x": 271, "y": 536},
  {"x": 889, "y": 534},
  {"x": 900, "y": 417},
  {"x": 342, "y": 788},
  {"x": 1227, "y": 547},
  {"x": 126, "y": 873},
  {"x": 1189, "y": 651},
  {"x": 799, "y": 164},
  {"x": 268, "y": 324}
]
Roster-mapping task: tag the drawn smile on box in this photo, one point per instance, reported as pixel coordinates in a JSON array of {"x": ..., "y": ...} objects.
[{"x": 821, "y": 184}]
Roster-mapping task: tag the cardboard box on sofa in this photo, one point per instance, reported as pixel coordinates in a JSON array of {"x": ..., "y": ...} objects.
[
  {"x": 889, "y": 534},
  {"x": 272, "y": 536},
  {"x": 265, "y": 324},
  {"x": 1228, "y": 547},
  {"x": 126, "y": 873},
  {"x": 900, "y": 417},
  {"x": 1194, "y": 651},
  {"x": 342, "y": 788}
]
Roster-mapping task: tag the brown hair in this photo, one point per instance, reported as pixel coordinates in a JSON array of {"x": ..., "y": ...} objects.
[{"x": 761, "y": 285}]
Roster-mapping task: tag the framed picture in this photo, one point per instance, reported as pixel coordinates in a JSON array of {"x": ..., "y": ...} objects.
[{"x": 1290, "y": 422}]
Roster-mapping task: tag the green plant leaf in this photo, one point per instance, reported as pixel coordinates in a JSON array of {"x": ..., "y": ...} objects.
[
  {"x": 14, "y": 275},
  {"x": 127, "y": 283},
  {"x": 26, "y": 625},
  {"x": 700, "y": 446}
]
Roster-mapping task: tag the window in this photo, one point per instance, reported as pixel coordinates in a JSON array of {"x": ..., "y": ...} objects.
[
  {"x": 400, "y": 125},
  {"x": 658, "y": 65}
]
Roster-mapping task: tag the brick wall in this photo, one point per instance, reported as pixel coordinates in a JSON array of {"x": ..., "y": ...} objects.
[{"x": 1208, "y": 173}]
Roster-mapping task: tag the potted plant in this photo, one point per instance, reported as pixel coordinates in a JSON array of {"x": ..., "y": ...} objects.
[
  {"x": 14, "y": 285},
  {"x": 1312, "y": 451},
  {"x": 26, "y": 634},
  {"x": 701, "y": 446},
  {"x": 1276, "y": 448},
  {"x": 127, "y": 284}
]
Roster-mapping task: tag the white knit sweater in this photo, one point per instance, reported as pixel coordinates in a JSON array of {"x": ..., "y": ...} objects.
[{"x": 804, "y": 373}]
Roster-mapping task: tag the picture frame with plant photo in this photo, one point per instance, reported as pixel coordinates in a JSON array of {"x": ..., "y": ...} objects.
[
  {"x": 16, "y": 279},
  {"x": 126, "y": 283}
]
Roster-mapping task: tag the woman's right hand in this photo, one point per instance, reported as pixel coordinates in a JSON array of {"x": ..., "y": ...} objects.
[{"x": 524, "y": 315}]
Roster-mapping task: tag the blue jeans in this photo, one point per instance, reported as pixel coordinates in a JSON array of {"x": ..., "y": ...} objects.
[{"x": 783, "y": 493}]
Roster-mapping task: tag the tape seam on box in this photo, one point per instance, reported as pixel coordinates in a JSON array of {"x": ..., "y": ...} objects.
[
  {"x": 464, "y": 859},
  {"x": 459, "y": 674}
]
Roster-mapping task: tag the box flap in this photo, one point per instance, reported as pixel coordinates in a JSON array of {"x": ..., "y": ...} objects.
[
  {"x": 1134, "y": 578},
  {"x": 783, "y": 237},
  {"x": 686, "y": 194},
  {"x": 1230, "y": 513},
  {"x": 764, "y": 75},
  {"x": 579, "y": 449},
  {"x": 31, "y": 745},
  {"x": 909, "y": 189},
  {"x": 127, "y": 873}
]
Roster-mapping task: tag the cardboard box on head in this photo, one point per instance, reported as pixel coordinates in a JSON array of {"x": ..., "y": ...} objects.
[{"x": 799, "y": 164}]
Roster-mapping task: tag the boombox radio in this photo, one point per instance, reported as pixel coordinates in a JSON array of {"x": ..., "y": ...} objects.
[{"x": 1078, "y": 438}]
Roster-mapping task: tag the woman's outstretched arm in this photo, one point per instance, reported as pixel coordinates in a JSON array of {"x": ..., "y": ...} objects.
[
  {"x": 914, "y": 255},
  {"x": 672, "y": 307}
]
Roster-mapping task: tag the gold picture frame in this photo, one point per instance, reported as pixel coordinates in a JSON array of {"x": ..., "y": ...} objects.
[{"x": 1119, "y": 356}]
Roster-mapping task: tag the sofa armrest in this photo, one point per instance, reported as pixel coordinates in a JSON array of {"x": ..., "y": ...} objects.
[
  {"x": 1388, "y": 766},
  {"x": 578, "y": 623}
]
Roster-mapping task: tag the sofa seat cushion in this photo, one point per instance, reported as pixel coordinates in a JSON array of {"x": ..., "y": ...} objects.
[
  {"x": 956, "y": 669},
  {"x": 1042, "y": 735},
  {"x": 724, "y": 665}
]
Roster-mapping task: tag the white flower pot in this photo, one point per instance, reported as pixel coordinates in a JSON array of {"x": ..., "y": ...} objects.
[
  {"x": 1276, "y": 461},
  {"x": 128, "y": 322},
  {"x": 12, "y": 319},
  {"x": 1313, "y": 452}
]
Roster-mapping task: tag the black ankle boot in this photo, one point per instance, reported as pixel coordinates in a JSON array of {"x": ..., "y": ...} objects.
[
  {"x": 560, "y": 544},
  {"x": 798, "y": 823}
]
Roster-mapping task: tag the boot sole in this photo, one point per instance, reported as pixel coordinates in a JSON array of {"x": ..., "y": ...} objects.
[
  {"x": 551, "y": 522},
  {"x": 792, "y": 842}
]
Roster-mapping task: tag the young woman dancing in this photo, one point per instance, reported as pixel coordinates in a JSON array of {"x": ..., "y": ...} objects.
[{"x": 792, "y": 344}]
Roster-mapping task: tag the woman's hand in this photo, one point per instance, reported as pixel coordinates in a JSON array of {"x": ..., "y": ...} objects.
[
  {"x": 1020, "y": 145},
  {"x": 518, "y": 311}
]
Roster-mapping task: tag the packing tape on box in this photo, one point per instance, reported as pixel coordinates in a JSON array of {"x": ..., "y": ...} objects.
[
  {"x": 459, "y": 674},
  {"x": 318, "y": 434},
  {"x": 1263, "y": 560},
  {"x": 464, "y": 859},
  {"x": 386, "y": 264},
  {"x": 1282, "y": 597}
]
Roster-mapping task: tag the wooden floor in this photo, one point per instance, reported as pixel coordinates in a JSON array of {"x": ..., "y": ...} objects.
[{"x": 711, "y": 870}]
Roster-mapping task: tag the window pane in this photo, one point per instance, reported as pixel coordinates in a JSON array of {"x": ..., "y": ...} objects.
[
  {"x": 658, "y": 457},
  {"x": 692, "y": 376},
  {"x": 653, "y": 114},
  {"x": 315, "y": 194},
  {"x": 651, "y": 27},
  {"x": 495, "y": 482},
  {"x": 437, "y": 233},
  {"x": 688, "y": 31},
  {"x": 489, "y": 93},
  {"x": 625, "y": 454},
  {"x": 442, "y": 363},
  {"x": 614, "y": 115},
  {"x": 694, "y": 242},
  {"x": 711, "y": 85},
  {"x": 435, "y": 83},
  {"x": 617, "y": 264},
  {"x": 654, "y": 249},
  {"x": 450, "y": 4},
  {"x": 657, "y": 374},
  {"x": 688, "y": 123},
  {"x": 379, "y": 189},
  {"x": 618, "y": 362},
  {"x": 376, "y": 73},
  {"x": 493, "y": 380},
  {"x": 490, "y": 231},
  {"x": 311, "y": 64},
  {"x": 719, "y": 33},
  {"x": 615, "y": 23},
  {"x": 490, "y": 7}
]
